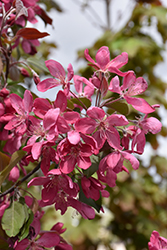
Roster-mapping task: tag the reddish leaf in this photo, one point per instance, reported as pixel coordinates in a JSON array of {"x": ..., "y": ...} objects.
[{"x": 31, "y": 33}]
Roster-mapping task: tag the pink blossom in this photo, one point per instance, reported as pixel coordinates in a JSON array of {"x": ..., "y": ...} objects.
[
  {"x": 103, "y": 62},
  {"x": 72, "y": 151},
  {"x": 19, "y": 121},
  {"x": 92, "y": 188},
  {"x": 86, "y": 91},
  {"x": 47, "y": 239},
  {"x": 132, "y": 86},
  {"x": 56, "y": 188},
  {"x": 57, "y": 71},
  {"x": 157, "y": 242},
  {"x": 102, "y": 127}
]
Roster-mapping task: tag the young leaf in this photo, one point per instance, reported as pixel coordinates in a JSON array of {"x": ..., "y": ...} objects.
[
  {"x": 15, "y": 158},
  {"x": 13, "y": 219},
  {"x": 31, "y": 33}
]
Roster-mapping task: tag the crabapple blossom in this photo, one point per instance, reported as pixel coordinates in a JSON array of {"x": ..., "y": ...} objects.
[
  {"x": 132, "y": 86},
  {"x": 102, "y": 126},
  {"x": 157, "y": 242},
  {"x": 103, "y": 62},
  {"x": 56, "y": 70}
]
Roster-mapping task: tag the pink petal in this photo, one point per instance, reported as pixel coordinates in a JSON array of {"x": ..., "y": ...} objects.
[
  {"x": 113, "y": 138},
  {"x": 56, "y": 69},
  {"x": 50, "y": 118},
  {"x": 117, "y": 120},
  {"x": 119, "y": 61},
  {"x": 115, "y": 85},
  {"x": 84, "y": 162},
  {"x": 23, "y": 244},
  {"x": 37, "y": 181},
  {"x": 113, "y": 159},
  {"x": 103, "y": 57},
  {"x": 129, "y": 80},
  {"x": 71, "y": 116},
  {"x": 48, "y": 239},
  {"x": 28, "y": 101},
  {"x": 68, "y": 164},
  {"x": 73, "y": 137},
  {"x": 61, "y": 101},
  {"x": 140, "y": 104},
  {"x": 139, "y": 87},
  {"x": 85, "y": 125},
  {"x": 78, "y": 83},
  {"x": 134, "y": 162},
  {"x": 16, "y": 102},
  {"x": 152, "y": 125},
  {"x": 41, "y": 106},
  {"x": 87, "y": 56},
  {"x": 96, "y": 113},
  {"x": 70, "y": 73},
  {"x": 36, "y": 150},
  {"x": 47, "y": 84}
]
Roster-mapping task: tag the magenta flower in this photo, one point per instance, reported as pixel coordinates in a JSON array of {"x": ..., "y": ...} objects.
[
  {"x": 103, "y": 62},
  {"x": 131, "y": 87},
  {"x": 112, "y": 164},
  {"x": 56, "y": 188},
  {"x": 92, "y": 188},
  {"x": 157, "y": 242},
  {"x": 72, "y": 151},
  {"x": 19, "y": 121},
  {"x": 102, "y": 127},
  {"x": 56, "y": 70},
  {"x": 47, "y": 239}
]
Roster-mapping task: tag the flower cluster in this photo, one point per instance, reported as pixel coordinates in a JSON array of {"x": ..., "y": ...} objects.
[
  {"x": 79, "y": 145},
  {"x": 66, "y": 134}
]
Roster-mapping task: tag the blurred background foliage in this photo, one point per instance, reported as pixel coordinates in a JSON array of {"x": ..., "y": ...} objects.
[{"x": 138, "y": 204}]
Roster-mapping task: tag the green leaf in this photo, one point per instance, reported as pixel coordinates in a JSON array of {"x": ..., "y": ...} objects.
[
  {"x": 120, "y": 106},
  {"x": 82, "y": 101},
  {"x": 15, "y": 158},
  {"x": 17, "y": 89},
  {"x": 39, "y": 64},
  {"x": 25, "y": 229},
  {"x": 94, "y": 167},
  {"x": 13, "y": 218}
]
